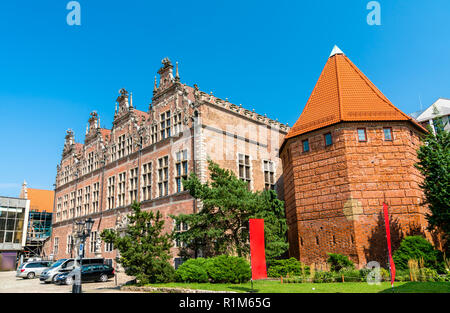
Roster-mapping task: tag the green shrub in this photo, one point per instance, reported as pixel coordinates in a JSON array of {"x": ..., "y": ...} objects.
[
  {"x": 385, "y": 275},
  {"x": 349, "y": 275},
  {"x": 428, "y": 274},
  {"x": 323, "y": 277},
  {"x": 338, "y": 261},
  {"x": 228, "y": 269},
  {"x": 418, "y": 248},
  {"x": 286, "y": 267},
  {"x": 192, "y": 271}
]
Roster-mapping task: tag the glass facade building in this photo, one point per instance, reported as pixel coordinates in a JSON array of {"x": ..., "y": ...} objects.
[{"x": 13, "y": 227}]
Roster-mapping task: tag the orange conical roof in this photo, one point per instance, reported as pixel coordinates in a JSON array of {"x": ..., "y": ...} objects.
[{"x": 344, "y": 93}]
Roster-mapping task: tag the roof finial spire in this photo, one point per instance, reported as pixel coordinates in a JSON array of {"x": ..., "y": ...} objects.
[
  {"x": 335, "y": 51},
  {"x": 154, "y": 87},
  {"x": 177, "y": 75}
]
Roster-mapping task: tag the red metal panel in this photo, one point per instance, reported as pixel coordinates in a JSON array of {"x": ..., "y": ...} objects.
[{"x": 257, "y": 249}]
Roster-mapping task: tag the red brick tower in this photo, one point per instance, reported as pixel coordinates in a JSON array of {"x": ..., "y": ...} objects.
[{"x": 350, "y": 150}]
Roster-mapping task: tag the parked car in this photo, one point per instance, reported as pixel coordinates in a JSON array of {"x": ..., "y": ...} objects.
[
  {"x": 65, "y": 265},
  {"x": 32, "y": 269},
  {"x": 89, "y": 273}
]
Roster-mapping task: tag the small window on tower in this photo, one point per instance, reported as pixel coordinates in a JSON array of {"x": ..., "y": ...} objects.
[
  {"x": 387, "y": 133},
  {"x": 362, "y": 134},
  {"x": 328, "y": 140},
  {"x": 305, "y": 145}
]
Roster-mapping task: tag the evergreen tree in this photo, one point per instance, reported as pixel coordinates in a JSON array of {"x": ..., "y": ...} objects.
[
  {"x": 434, "y": 164},
  {"x": 222, "y": 225},
  {"x": 144, "y": 249}
]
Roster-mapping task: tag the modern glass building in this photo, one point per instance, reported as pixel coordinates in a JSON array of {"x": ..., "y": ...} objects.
[{"x": 14, "y": 214}]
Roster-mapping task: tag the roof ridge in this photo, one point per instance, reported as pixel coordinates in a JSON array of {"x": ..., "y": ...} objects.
[{"x": 338, "y": 89}]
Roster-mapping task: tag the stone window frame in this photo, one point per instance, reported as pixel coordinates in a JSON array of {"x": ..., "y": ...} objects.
[
  {"x": 177, "y": 123},
  {"x": 121, "y": 143},
  {"x": 179, "y": 228},
  {"x": 163, "y": 176},
  {"x": 69, "y": 243},
  {"x": 87, "y": 199},
  {"x": 121, "y": 189},
  {"x": 181, "y": 163},
  {"x": 365, "y": 134},
  {"x": 165, "y": 123},
  {"x": 110, "y": 192},
  {"x": 79, "y": 202},
  {"x": 132, "y": 184},
  {"x": 109, "y": 246},
  {"x": 271, "y": 172},
  {"x": 95, "y": 197},
  {"x": 249, "y": 179},
  {"x": 147, "y": 175},
  {"x": 56, "y": 246},
  {"x": 390, "y": 132},
  {"x": 92, "y": 240}
]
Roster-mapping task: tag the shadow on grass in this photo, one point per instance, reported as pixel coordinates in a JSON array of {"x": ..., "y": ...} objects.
[
  {"x": 244, "y": 289},
  {"x": 420, "y": 287}
]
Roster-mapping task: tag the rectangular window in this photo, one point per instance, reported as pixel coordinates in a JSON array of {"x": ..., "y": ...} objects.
[
  {"x": 111, "y": 191},
  {"x": 179, "y": 228},
  {"x": 165, "y": 125},
  {"x": 244, "y": 168},
  {"x": 87, "y": 199},
  {"x": 92, "y": 241},
  {"x": 132, "y": 187},
  {"x": 129, "y": 145},
  {"x": 109, "y": 247},
  {"x": 181, "y": 169},
  {"x": 387, "y": 133},
  {"x": 163, "y": 176},
  {"x": 121, "y": 148},
  {"x": 70, "y": 244},
  {"x": 154, "y": 134},
  {"x": 79, "y": 202},
  {"x": 305, "y": 144},
  {"x": 177, "y": 124},
  {"x": 328, "y": 140},
  {"x": 147, "y": 181},
  {"x": 95, "y": 197},
  {"x": 269, "y": 175},
  {"x": 121, "y": 189},
  {"x": 55, "y": 246},
  {"x": 362, "y": 136}
]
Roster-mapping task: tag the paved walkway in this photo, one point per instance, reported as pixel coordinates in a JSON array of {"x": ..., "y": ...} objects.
[{"x": 9, "y": 283}]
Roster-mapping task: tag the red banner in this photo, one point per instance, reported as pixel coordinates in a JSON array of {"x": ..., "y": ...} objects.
[
  {"x": 388, "y": 237},
  {"x": 257, "y": 249}
]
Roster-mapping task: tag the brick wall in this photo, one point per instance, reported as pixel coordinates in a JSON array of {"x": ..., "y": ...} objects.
[{"x": 334, "y": 196}]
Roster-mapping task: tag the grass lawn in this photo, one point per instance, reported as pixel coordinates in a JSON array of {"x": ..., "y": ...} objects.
[{"x": 277, "y": 287}]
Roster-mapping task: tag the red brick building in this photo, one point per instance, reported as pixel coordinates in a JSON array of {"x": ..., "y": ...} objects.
[
  {"x": 350, "y": 150},
  {"x": 145, "y": 155}
]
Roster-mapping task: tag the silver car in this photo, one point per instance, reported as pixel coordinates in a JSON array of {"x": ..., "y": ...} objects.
[{"x": 32, "y": 269}]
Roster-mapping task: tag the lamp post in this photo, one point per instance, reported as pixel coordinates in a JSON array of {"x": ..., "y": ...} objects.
[{"x": 83, "y": 229}]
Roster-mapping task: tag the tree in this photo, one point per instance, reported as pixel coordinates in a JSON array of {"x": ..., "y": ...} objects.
[
  {"x": 419, "y": 249},
  {"x": 144, "y": 249},
  {"x": 222, "y": 224},
  {"x": 434, "y": 164}
]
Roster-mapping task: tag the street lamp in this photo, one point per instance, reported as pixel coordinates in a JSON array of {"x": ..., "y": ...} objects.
[{"x": 83, "y": 229}]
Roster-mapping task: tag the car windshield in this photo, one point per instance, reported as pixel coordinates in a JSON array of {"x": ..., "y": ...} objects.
[{"x": 57, "y": 263}]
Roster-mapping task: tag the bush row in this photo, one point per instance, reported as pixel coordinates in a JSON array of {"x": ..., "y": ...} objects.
[
  {"x": 220, "y": 269},
  {"x": 423, "y": 275}
]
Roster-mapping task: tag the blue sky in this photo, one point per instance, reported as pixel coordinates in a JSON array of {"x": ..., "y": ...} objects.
[{"x": 266, "y": 55}]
